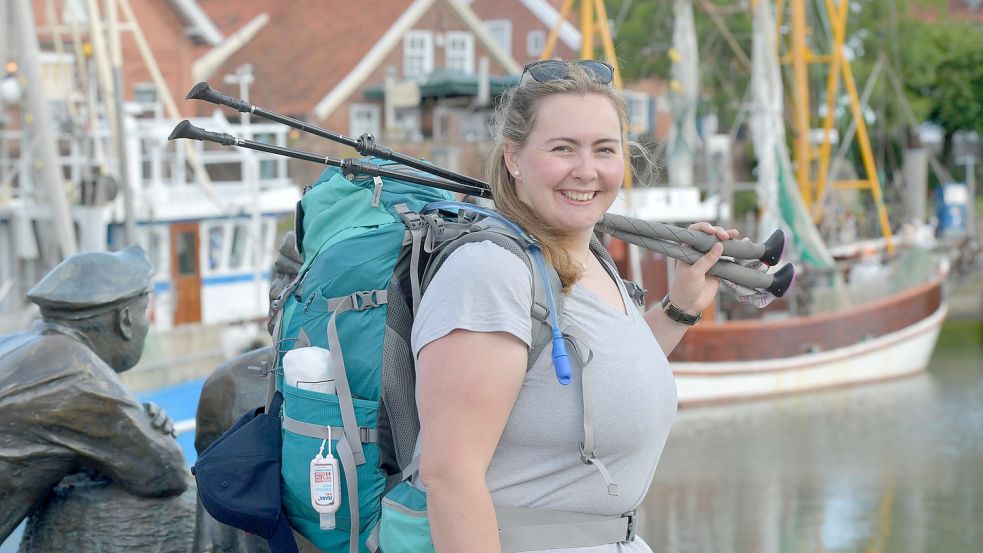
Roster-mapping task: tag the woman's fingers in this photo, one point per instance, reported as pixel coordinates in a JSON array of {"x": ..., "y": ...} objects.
[
  {"x": 703, "y": 264},
  {"x": 719, "y": 232}
]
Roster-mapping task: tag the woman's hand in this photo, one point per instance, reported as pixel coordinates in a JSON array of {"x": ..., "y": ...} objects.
[{"x": 693, "y": 290}]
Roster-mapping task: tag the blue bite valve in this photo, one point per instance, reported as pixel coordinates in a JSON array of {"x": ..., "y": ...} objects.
[{"x": 560, "y": 360}]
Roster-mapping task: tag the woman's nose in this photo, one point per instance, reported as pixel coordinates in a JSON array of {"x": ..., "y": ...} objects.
[{"x": 586, "y": 168}]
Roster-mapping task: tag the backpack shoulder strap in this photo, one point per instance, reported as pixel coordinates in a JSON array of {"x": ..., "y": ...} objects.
[
  {"x": 501, "y": 236},
  {"x": 635, "y": 291}
]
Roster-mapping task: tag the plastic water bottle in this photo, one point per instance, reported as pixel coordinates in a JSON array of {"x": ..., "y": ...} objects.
[{"x": 309, "y": 369}]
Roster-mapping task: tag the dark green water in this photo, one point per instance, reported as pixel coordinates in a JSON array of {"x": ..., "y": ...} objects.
[{"x": 889, "y": 467}]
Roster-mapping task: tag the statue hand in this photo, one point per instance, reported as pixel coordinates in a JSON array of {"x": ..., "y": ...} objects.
[{"x": 159, "y": 419}]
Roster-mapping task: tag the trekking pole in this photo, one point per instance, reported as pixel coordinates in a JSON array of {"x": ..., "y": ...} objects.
[
  {"x": 349, "y": 166},
  {"x": 365, "y": 144},
  {"x": 776, "y": 284}
]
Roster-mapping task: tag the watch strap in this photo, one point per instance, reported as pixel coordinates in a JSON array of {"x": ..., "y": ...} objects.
[{"x": 677, "y": 314}]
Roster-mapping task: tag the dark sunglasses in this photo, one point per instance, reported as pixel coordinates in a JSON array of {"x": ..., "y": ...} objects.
[{"x": 547, "y": 71}]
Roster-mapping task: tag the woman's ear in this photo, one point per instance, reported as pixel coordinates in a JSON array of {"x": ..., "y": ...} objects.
[{"x": 511, "y": 155}]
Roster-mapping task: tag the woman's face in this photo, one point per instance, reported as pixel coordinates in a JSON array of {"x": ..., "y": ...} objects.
[{"x": 572, "y": 165}]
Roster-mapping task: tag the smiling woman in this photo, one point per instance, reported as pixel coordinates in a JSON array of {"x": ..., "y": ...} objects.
[{"x": 502, "y": 443}]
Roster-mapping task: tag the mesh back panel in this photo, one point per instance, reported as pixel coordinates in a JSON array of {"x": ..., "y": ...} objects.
[{"x": 399, "y": 377}]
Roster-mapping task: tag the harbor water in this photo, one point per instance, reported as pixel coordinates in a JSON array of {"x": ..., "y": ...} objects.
[{"x": 889, "y": 467}]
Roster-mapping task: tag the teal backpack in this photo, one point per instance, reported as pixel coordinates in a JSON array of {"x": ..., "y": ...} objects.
[{"x": 370, "y": 247}]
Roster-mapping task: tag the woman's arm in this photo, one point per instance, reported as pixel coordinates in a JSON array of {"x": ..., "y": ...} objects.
[
  {"x": 467, "y": 383},
  {"x": 692, "y": 290}
]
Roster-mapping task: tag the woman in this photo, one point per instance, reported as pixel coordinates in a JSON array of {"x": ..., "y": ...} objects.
[{"x": 496, "y": 432}]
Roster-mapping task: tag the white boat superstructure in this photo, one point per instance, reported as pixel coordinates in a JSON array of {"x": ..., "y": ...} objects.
[{"x": 211, "y": 233}]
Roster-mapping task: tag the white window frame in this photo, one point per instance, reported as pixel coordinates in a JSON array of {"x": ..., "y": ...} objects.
[
  {"x": 535, "y": 43},
  {"x": 639, "y": 112},
  {"x": 375, "y": 115},
  {"x": 459, "y": 59},
  {"x": 501, "y": 31},
  {"x": 417, "y": 54}
]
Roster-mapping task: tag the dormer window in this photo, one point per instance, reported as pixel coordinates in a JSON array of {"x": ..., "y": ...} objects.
[
  {"x": 417, "y": 54},
  {"x": 459, "y": 52}
]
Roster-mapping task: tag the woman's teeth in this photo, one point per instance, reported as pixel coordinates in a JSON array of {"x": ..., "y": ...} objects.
[{"x": 579, "y": 196}]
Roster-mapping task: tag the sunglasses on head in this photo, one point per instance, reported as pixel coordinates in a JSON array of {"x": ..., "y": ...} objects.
[{"x": 547, "y": 71}]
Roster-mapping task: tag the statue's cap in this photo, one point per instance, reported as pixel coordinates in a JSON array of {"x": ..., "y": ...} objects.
[{"x": 90, "y": 280}]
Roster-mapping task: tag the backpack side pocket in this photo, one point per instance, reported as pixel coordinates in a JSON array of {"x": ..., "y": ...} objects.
[{"x": 404, "y": 526}]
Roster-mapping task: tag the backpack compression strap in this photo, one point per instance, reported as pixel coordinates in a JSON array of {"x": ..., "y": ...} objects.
[
  {"x": 349, "y": 446},
  {"x": 534, "y": 529}
]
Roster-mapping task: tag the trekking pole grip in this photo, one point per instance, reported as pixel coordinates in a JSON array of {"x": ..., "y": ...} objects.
[{"x": 203, "y": 91}]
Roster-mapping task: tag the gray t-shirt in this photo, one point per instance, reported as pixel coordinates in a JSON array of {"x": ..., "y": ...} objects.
[{"x": 631, "y": 392}]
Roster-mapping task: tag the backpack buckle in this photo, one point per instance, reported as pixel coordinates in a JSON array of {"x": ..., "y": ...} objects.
[
  {"x": 630, "y": 536},
  {"x": 363, "y": 299}
]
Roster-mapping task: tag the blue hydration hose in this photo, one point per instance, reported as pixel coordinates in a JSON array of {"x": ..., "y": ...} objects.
[{"x": 561, "y": 362}]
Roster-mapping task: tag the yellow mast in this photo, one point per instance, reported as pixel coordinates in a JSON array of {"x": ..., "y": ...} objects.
[{"x": 814, "y": 188}]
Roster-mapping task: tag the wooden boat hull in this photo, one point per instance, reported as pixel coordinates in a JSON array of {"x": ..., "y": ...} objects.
[{"x": 884, "y": 339}]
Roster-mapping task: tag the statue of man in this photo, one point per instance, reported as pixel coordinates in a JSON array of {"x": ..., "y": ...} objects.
[
  {"x": 238, "y": 386},
  {"x": 65, "y": 409}
]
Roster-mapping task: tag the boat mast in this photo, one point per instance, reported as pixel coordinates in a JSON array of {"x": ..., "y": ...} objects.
[
  {"x": 814, "y": 189},
  {"x": 40, "y": 120}
]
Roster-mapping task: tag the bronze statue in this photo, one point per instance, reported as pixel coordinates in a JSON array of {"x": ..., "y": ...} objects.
[
  {"x": 238, "y": 386},
  {"x": 65, "y": 410}
]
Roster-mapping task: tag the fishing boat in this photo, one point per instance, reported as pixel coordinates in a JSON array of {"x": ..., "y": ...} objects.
[
  {"x": 858, "y": 314},
  {"x": 209, "y": 218}
]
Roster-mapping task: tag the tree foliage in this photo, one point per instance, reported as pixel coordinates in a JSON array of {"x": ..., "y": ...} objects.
[{"x": 938, "y": 59}]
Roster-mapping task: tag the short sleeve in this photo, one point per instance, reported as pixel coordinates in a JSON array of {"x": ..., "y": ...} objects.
[{"x": 481, "y": 287}]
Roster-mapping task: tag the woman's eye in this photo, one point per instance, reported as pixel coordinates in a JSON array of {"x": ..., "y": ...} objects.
[
  {"x": 562, "y": 149},
  {"x": 606, "y": 150}
]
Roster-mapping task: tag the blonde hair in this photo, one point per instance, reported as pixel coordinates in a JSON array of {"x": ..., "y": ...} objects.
[{"x": 513, "y": 120}]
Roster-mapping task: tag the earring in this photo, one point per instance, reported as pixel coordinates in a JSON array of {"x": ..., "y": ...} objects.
[{"x": 517, "y": 172}]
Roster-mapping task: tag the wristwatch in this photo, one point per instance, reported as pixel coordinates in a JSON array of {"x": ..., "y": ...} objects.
[{"x": 678, "y": 314}]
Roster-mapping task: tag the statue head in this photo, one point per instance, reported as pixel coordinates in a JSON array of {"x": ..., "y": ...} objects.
[
  {"x": 104, "y": 296},
  {"x": 287, "y": 264}
]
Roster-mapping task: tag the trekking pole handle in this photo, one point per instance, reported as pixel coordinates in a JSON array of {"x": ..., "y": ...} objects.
[
  {"x": 185, "y": 129},
  {"x": 777, "y": 283},
  {"x": 770, "y": 252},
  {"x": 203, "y": 91}
]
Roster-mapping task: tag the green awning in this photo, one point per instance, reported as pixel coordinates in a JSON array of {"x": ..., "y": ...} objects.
[{"x": 447, "y": 84}]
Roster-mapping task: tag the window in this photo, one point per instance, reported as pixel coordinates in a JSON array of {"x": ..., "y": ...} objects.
[
  {"x": 501, "y": 31},
  {"x": 417, "y": 54},
  {"x": 459, "y": 52},
  {"x": 145, "y": 93},
  {"x": 535, "y": 42},
  {"x": 639, "y": 112},
  {"x": 267, "y": 167},
  {"x": 186, "y": 263},
  {"x": 237, "y": 254},
  {"x": 216, "y": 241},
  {"x": 363, "y": 118}
]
